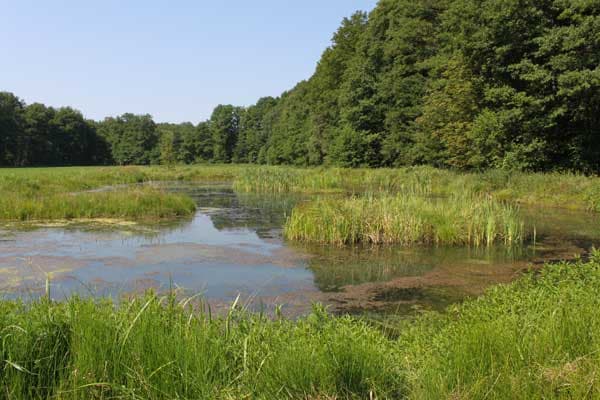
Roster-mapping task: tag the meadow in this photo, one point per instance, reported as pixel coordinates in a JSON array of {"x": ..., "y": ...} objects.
[{"x": 535, "y": 338}]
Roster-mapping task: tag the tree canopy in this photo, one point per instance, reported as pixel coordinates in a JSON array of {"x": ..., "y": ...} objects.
[{"x": 465, "y": 84}]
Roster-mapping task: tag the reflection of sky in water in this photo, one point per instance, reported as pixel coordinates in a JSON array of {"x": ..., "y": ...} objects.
[
  {"x": 193, "y": 254},
  {"x": 233, "y": 245}
]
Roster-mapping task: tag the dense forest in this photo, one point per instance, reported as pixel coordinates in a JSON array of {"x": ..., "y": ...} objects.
[{"x": 466, "y": 84}]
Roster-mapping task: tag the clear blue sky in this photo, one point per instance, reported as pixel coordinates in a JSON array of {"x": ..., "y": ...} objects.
[{"x": 175, "y": 59}]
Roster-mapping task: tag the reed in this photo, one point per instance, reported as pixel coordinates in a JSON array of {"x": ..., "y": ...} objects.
[
  {"x": 540, "y": 189},
  {"x": 418, "y": 181},
  {"x": 471, "y": 220}
]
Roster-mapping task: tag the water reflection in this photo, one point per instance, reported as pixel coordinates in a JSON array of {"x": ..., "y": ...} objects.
[{"x": 335, "y": 268}]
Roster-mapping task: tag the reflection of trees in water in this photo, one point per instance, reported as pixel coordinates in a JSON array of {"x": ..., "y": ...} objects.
[
  {"x": 337, "y": 267},
  {"x": 227, "y": 209},
  {"x": 260, "y": 213}
]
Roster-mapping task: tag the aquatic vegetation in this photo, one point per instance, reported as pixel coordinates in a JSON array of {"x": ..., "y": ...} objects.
[
  {"x": 65, "y": 193},
  {"x": 472, "y": 220},
  {"x": 134, "y": 203},
  {"x": 417, "y": 181},
  {"x": 535, "y": 338},
  {"x": 543, "y": 189},
  {"x": 556, "y": 190}
]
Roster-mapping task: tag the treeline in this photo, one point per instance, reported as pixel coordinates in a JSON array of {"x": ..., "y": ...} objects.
[
  {"x": 38, "y": 135},
  {"x": 470, "y": 84},
  {"x": 467, "y": 84}
]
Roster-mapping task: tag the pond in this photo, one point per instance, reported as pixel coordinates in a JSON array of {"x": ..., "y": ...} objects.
[{"x": 234, "y": 246}]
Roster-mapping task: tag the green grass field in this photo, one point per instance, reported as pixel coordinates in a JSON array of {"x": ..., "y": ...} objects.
[{"x": 536, "y": 338}]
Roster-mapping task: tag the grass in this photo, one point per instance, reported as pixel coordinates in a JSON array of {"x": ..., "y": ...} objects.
[
  {"x": 61, "y": 193},
  {"x": 127, "y": 204},
  {"x": 550, "y": 190},
  {"x": 417, "y": 181},
  {"x": 72, "y": 179},
  {"x": 22, "y": 185},
  {"x": 536, "y": 338},
  {"x": 154, "y": 348},
  {"x": 471, "y": 220}
]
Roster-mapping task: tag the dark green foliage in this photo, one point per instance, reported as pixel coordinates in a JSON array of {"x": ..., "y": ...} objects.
[
  {"x": 11, "y": 125},
  {"x": 253, "y": 131},
  {"x": 133, "y": 139},
  {"x": 467, "y": 84},
  {"x": 40, "y": 135},
  {"x": 225, "y": 128}
]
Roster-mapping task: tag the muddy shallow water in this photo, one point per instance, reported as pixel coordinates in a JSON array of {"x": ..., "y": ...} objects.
[{"x": 233, "y": 245}]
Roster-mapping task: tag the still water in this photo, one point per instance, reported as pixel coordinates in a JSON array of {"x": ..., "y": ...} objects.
[{"x": 234, "y": 246}]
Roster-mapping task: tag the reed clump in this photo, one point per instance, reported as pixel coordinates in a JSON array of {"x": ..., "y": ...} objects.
[{"x": 470, "y": 219}]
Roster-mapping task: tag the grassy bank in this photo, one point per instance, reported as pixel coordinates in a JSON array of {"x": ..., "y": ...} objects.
[
  {"x": 128, "y": 204},
  {"x": 418, "y": 181},
  {"x": 535, "y": 338},
  {"x": 73, "y": 179},
  {"x": 551, "y": 190},
  {"x": 60, "y": 193},
  {"x": 471, "y": 220}
]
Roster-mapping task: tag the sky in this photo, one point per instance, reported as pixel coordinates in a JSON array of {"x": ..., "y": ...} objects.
[{"x": 175, "y": 60}]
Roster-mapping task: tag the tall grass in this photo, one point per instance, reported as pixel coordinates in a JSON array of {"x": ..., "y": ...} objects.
[
  {"x": 34, "y": 181},
  {"x": 59, "y": 193},
  {"x": 136, "y": 203},
  {"x": 155, "y": 348},
  {"x": 417, "y": 181},
  {"x": 536, "y": 338},
  {"x": 406, "y": 220},
  {"x": 552, "y": 189}
]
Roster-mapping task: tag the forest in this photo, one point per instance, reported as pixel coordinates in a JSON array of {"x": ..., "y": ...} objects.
[{"x": 461, "y": 84}]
